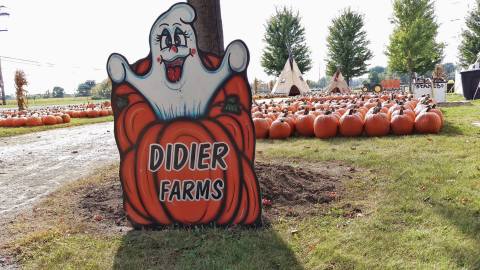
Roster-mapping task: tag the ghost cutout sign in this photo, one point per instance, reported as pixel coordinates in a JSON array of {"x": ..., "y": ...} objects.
[{"x": 184, "y": 130}]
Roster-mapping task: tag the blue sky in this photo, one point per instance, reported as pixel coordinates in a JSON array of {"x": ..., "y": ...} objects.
[{"x": 71, "y": 40}]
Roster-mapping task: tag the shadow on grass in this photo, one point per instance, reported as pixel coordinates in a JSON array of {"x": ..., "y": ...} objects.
[
  {"x": 205, "y": 248},
  {"x": 467, "y": 221},
  {"x": 451, "y": 129}
]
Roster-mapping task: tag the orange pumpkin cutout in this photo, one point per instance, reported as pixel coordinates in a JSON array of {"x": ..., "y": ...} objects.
[{"x": 184, "y": 130}]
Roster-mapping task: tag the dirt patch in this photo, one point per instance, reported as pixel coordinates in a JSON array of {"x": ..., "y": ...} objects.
[
  {"x": 287, "y": 191},
  {"x": 103, "y": 203},
  {"x": 300, "y": 191}
]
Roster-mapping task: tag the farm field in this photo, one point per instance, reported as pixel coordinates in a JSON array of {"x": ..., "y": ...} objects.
[
  {"x": 382, "y": 203},
  {"x": 53, "y": 101}
]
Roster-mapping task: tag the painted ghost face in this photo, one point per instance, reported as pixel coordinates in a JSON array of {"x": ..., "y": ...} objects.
[
  {"x": 178, "y": 84},
  {"x": 172, "y": 42}
]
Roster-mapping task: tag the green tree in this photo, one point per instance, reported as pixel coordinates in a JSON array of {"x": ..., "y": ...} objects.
[
  {"x": 347, "y": 45},
  {"x": 85, "y": 89},
  {"x": 376, "y": 74},
  {"x": 58, "y": 92},
  {"x": 413, "y": 48},
  {"x": 283, "y": 31},
  {"x": 103, "y": 89},
  {"x": 470, "y": 45}
]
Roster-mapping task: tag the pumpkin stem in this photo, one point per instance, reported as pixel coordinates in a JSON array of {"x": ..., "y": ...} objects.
[
  {"x": 307, "y": 110},
  {"x": 401, "y": 110},
  {"x": 328, "y": 112}
]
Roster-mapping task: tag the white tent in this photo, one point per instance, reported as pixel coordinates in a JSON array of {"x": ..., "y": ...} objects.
[
  {"x": 458, "y": 83},
  {"x": 338, "y": 84},
  {"x": 290, "y": 82}
]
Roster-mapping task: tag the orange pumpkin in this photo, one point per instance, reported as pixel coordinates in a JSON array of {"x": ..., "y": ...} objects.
[
  {"x": 262, "y": 127},
  {"x": 325, "y": 125},
  {"x": 280, "y": 129},
  {"x": 351, "y": 124},
  {"x": 34, "y": 121},
  {"x": 49, "y": 120},
  {"x": 59, "y": 119},
  {"x": 428, "y": 122},
  {"x": 304, "y": 124},
  {"x": 377, "y": 123},
  {"x": 66, "y": 118},
  {"x": 401, "y": 123}
]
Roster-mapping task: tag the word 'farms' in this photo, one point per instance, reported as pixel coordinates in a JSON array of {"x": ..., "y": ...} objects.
[{"x": 191, "y": 190}]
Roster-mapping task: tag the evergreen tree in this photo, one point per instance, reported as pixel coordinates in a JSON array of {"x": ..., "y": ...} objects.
[
  {"x": 413, "y": 47},
  {"x": 470, "y": 46},
  {"x": 347, "y": 45},
  {"x": 283, "y": 31}
]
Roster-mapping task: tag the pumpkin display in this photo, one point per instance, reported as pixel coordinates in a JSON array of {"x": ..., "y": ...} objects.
[
  {"x": 326, "y": 126},
  {"x": 351, "y": 124},
  {"x": 220, "y": 196},
  {"x": 377, "y": 123}
]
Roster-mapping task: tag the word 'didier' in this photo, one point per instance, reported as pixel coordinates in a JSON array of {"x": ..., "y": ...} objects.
[{"x": 184, "y": 130}]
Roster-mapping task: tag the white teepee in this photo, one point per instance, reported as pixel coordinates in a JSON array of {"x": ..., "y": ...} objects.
[
  {"x": 338, "y": 84},
  {"x": 290, "y": 82}
]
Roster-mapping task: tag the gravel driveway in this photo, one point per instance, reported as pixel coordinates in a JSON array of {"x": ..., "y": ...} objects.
[{"x": 33, "y": 165}]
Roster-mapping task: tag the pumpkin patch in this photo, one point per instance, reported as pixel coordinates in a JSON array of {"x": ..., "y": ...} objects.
[
  {"x": 52, "y": 115},
  {"x": 327, "y": 116}
]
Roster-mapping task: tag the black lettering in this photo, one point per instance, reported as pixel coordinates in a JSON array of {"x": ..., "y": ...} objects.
[
  {"x": 188, "y": 187},
  {"x": 203, "y": 190},
  {"x": 193, "y": 155},
  {"x": 181, "y": 156},
  {"x": 163, "y": 189},
  {"x": 168, "y": 162},
  {"x": 202, "y": 155},
  {"x": 176, "y": 191},
  {"x": 217, "y": 193},
  {"x": 156, "y": 157},
  {"x": 220, "y": 150}
]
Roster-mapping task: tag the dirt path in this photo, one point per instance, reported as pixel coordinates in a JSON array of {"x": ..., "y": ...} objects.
[{"x": 33, "y": 165}]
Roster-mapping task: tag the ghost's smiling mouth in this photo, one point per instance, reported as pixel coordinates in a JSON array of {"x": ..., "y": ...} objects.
[{"x": 174, "y": 69}]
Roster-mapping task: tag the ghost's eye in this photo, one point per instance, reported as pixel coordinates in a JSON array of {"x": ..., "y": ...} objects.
[
  {"x": 164, "y": 39},
  {"x": 180, "y": 38}
]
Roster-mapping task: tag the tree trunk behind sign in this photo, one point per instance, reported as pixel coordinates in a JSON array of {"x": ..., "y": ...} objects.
[
  {"x": 209, "y": 25},
  {"x": 2, "y": 87}
]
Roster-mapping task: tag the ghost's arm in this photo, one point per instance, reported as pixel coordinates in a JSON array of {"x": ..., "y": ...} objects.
[
  {"x": 119, "y": 69},
  {"x": 235, "y": 61}
]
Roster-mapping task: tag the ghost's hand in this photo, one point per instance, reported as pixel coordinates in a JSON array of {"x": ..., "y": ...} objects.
[
  {"x": 117, "y": 68},
  {"x": 237, "y": 56}
]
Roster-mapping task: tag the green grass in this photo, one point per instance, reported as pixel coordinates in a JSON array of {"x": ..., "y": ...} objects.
[
  {"x": 53, "y": 101},
  {"x": 8, "y": 132},
  {"x": 420, "y": 197}
]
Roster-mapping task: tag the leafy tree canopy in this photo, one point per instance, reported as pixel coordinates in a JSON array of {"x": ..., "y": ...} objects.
[{"x": 284, "y": 30}]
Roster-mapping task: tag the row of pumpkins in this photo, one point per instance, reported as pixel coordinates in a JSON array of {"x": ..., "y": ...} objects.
[
  {"x": 348, "y": 116},
  {"x": 53, "y": 115}
]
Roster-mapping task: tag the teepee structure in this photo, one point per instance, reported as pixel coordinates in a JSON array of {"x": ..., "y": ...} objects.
[
  {"x": 290, "y": 82},
  {"x": 338, "y": 84}
]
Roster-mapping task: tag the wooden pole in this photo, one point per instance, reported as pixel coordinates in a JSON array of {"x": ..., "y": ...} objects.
[
  {"x": 4, "y": 102},
  {"x": 209, "y": 26}
]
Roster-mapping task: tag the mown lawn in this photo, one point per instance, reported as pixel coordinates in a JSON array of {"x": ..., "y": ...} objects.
[
  {"x": 52, "y": 101},
  {"x": 419, "y": 195},
  {"x": 9, "y": 131}
]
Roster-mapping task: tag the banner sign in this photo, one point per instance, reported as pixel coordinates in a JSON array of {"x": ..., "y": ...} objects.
[{"x": 184, "y": 130}]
